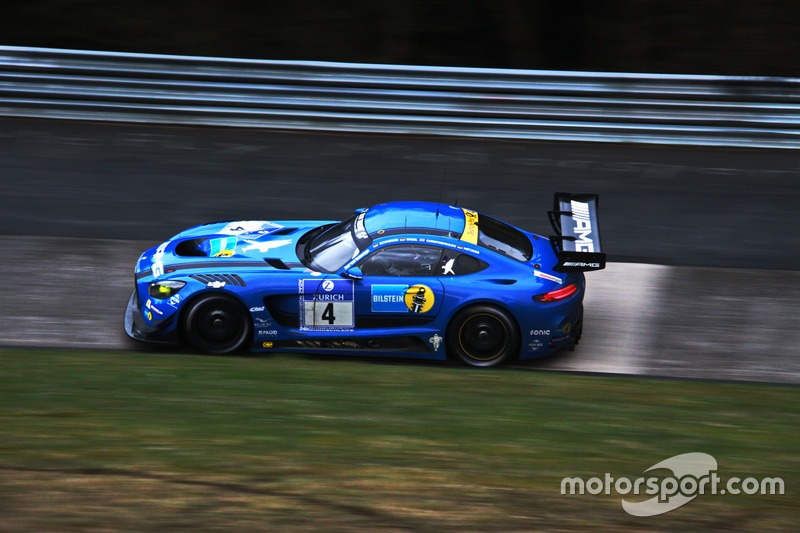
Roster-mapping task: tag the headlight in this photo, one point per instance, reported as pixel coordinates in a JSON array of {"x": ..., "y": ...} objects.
[{"x": 164, "y": 289}]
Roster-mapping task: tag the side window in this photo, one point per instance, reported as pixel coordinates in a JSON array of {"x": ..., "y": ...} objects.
[
  {"x": 458, "y": 264},
  {"x": 403, "y": 260}
]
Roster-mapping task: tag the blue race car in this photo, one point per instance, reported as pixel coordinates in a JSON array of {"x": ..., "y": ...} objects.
[{"x": 408, "y": 279}]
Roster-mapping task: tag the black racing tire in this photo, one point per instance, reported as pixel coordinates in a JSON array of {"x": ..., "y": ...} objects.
[
  {"x": 483, "y": 336},
  {"x": 217, "y": 324}
]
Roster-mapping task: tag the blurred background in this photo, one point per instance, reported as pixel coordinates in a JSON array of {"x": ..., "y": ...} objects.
[{"x": 728, "y": 37}]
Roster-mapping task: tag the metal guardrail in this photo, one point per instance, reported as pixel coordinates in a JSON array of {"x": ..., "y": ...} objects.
[{"x": 475, "y": 102}]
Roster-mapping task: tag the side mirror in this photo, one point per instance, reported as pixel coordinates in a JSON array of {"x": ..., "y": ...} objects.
[{"x": 353, "y": 273}]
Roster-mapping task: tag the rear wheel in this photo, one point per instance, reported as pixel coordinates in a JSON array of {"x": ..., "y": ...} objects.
[
  {"x": 217, "y": 324},
  {"x": 483, "y": 336}
]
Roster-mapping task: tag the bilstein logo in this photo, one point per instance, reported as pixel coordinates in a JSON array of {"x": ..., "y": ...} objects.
[{"x": 583, "y": 226}]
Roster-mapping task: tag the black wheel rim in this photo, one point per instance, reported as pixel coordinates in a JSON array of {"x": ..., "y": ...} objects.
[
  {"x": 483, "y": 337},
  {"x": 217, "y": 325}
]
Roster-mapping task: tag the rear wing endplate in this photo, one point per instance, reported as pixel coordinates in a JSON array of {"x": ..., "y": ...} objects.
[{"x": 577, "y": 243}]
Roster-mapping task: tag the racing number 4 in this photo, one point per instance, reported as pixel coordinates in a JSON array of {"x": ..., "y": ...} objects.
[{"x": 328, "y": 315}]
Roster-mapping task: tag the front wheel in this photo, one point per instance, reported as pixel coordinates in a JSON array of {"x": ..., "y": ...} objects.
[
  {"x": 483, "y": 336},
  {"x": 217, "y": 324}
]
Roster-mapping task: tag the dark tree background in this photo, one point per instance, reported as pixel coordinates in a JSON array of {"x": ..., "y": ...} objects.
[{"x": 731, "y": 37}]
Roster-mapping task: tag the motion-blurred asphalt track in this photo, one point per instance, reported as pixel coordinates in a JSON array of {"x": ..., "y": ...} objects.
[{"x": 705, "y": 243}]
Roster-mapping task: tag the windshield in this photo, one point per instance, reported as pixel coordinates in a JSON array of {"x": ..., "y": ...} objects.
[{"x": 330, "y": 250}]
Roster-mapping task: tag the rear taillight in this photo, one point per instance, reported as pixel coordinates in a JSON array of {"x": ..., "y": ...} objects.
[{"x": 558, "y": 294}]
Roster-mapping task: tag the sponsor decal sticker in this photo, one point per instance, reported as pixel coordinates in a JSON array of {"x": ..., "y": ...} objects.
[
  {"x": 402, "y": 299},
  {"x": 583, "y": 226},
  {"x": 267, "y": 344},
  {"x": 157, "y": 266},
  {"x": 470, "y": 234},
  {"x": 247, "y": 226},
  {"x": 550, "y": 277},
  {"x": 327, "y": 304},
  {"x": 389, "y": 299},
  {"x": 223, "y": 246},
  {"x": 581, "y": 264},
  {"x": 419, "y": 298},
  {"x": 151, "y": 307},
  {"x": 436, "y": 341},
  {"x": 447, "y": 268},
  {"x": 358, "y": 226}
]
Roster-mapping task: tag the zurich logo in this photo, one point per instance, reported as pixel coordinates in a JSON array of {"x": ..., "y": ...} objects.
[{"x": 327, "y": 285}]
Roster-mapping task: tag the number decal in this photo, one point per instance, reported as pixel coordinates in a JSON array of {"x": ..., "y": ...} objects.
[
  {"x": 327, "y": 314},
  {"x": 327, "y": 305}
]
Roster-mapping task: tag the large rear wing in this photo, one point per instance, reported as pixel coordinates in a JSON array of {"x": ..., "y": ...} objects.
[{"x": 577, "y": 245}]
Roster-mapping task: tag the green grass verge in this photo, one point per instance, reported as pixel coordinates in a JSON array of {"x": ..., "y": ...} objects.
[{"x": 134, "y": 442}]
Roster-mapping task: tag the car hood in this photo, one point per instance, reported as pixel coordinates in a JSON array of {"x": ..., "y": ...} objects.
[{"x": 237, "y": 243}]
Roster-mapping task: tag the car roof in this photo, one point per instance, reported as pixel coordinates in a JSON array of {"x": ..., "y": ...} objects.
[{"x": 411, "y": 217}]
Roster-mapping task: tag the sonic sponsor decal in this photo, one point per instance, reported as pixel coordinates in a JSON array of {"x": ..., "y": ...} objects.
[
  {"x": 326, "y": 304},
  {"x": 402, "y": 299}
]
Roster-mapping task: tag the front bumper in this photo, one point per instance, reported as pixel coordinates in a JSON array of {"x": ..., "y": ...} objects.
[{"x": 136, "y": 328}]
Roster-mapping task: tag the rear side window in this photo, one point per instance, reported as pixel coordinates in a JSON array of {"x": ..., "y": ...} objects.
[
  {"x": 504, "y": 239},
  {"x": 402, "y": 260},
  {"x": 458, "y": 264}
]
